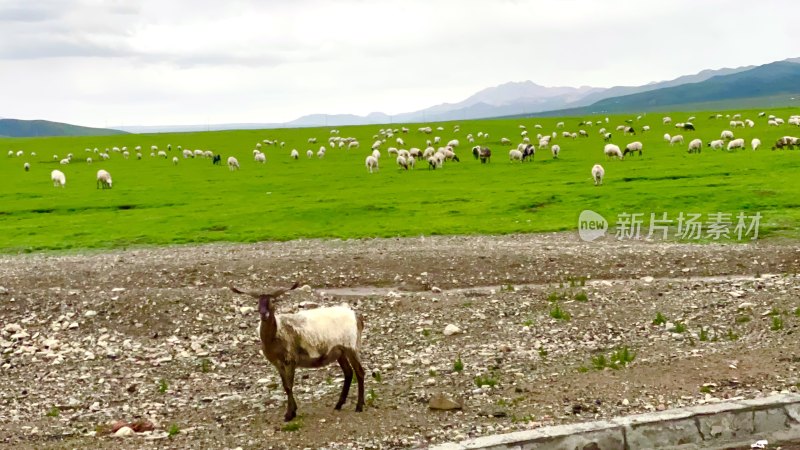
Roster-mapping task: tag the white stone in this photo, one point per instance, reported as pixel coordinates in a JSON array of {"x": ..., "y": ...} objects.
[
  {"x": 125, "y": 431},
  {"x": 451, "y": 329}
]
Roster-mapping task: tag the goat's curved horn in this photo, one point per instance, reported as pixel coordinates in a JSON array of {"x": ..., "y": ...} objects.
[
  {"x": 278, "y": 292},
  {"x": 239, "y": 291}
]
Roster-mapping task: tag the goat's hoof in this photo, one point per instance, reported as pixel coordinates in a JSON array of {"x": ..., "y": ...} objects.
[
  {"x": 359, "y": 408},
  {"x": 289, "y": 416},
  {"x": 338, "y": 406}
]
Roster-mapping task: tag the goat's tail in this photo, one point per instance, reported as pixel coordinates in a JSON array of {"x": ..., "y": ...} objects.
[{"x": 360, "y": 327}]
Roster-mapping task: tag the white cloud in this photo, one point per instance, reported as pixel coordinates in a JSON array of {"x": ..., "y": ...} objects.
[{"x": 102, "y": 63}]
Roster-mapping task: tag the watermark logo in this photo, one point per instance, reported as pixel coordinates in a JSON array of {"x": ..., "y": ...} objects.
[
  {"x": 591, "y": 225},
  {"x": 686, "y": 226}
]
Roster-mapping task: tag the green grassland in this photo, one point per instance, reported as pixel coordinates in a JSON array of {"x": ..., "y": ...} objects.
[{"x": 154, "y": 202}]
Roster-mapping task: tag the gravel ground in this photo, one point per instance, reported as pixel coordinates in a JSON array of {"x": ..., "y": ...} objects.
[{"x": 154, "y": 335}]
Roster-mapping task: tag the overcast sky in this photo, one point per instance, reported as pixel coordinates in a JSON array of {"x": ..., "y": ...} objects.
[{"x": 159, "y": 62}]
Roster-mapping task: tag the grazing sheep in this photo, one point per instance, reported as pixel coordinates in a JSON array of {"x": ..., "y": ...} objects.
[
  {"x": 175, "y": 160},
  {"x": 772, "y": 123},
  {"x": 437, "y": 140},
  {"x": 749, "y": 123},
  {"x": 103, "y": 179},
  {"x": 400, "y": 141},
  {"x": 645, "y": 128},
  {"x": 415, "y": 152},
  {"x": 667, "y": 137},
  {"x": 505, "y": 141},
  {"x": 186, "y": 154},
  {"x": 453, "y": 143},
  {"x": 233, "y": 163},
  {"x": 311, "y": 338},
  {"x": 161, "y": 153},
  {"x": 58, "y": 178},
  {"x": 216, "y": 160},
  {"x": 688, "y": 126},
  {"x": 64, "y": 162},
  {"x": 726, "y": 134},
  {"x": 666, "y": 120},
  {"x": 312, "y": 140},
  {"x": 27, "y": 167},
  {"x": 632, "y": 148},
  {"x": 735, "y": 144},
  {"x": 391, "y": 151},
  {"x": 376, "y": 154},
  {"x": 309, "y": 153},
  {"x": 555, "y": 149},
  {"x": 260, "y": 158},
  {"x": 515, "y": 155},
  {"x": 88, "y": 160},
  {"x": 528, "y": 152},
  {"x": 321, "y": 152},
  {"x": 717, "y": 144},
  {"x": 353, "y": 144},
  {"x": 695, "y": 146},
  {"x": 597, "y": 174},
  {"x": 612, "y": 151},
  {"x": 485, "y": 155},
  {"x": 677, "y": 139},
  {"x": 294, "y": 154},
  {"x": 607, "y": 137},
  {"x": 371, "y": 163},
  {"x": 755, "y": 143},
  {"x": 402, "y": 162},
  {"x": 560, "y": 125}
]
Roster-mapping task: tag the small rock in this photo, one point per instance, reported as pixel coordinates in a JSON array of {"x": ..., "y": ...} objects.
[
  {"x": 96, "y": 407},
  {"x": 625, "y": 402},
  {"x": 430, "y": 382},
  {"x": 90, "y": 313},
  {"x": 436, "y": 290},
  {"x": 245, "y": 310},
  {"x": 306, "y": 288},
  {"x": 445, "y": 402},
  {"x": 3, "y": 290},
  {"x": 451, "y": 329},
  {"x": 648, "y": 279},
  {"x": 124, "y": 431}
]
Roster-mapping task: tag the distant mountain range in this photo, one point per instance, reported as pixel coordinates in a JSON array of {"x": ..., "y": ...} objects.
[
  {"x": 36, "y": 128},
  {"x": 769, "y": 85}
]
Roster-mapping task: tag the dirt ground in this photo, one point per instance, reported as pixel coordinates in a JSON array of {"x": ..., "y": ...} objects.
[{"x": 89, "y": 339}]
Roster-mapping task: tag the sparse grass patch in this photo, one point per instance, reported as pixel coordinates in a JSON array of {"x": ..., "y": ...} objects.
[
  {"x": 377, "y": 376},
  {"x": 205, "y": 365},
  {"x": 486, "y": 380},
  {"x": 559, "y": 314},
  {"x": 797, "y": 312},
  {"x": 581, "y": 297},
  {"x": 53, "y": 412},
  {"x": 742, "y": 319},
  {"x": 163, "y": 386},
  {"x": 731, "y": 335},
  {"x": 705, "y": 389},
  {"x": 679, "y": 327},
  {"x": 660, "y": 319},
  {"x": 371, "y": 397},
  {"x": 458, "y": 365},
  {"x": 295, "y": 425},
  {"x": 426, "y": 332},
  {"x": 703, "y": 334},
  {"x": 777, "y": 323},
  {"x": 173, "y": 430},
  {"x": 618, "y": 359}
]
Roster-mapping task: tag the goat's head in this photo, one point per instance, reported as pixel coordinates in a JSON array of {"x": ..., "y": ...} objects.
[{"x": 266, "y": 299}]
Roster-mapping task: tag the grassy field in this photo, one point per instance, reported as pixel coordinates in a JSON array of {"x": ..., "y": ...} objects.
[{"x": 154, "y": 202}]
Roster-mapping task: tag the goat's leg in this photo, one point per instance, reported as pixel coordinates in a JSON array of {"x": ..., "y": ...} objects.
[
  {"x": 355, "y": 361},
  {"x": 287, "y": 378},
  {"x": 348, "y": 378}
]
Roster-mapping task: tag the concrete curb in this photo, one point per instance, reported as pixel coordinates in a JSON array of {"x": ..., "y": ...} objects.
[{"x": 697, "y": 427}]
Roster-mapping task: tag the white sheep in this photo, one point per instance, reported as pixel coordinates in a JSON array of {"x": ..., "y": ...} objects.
[
  {"x": 233, "y": 163},
  {"x": 505, "y": 141},
  {"x": 726, "y": 134},
  {"x": 371, "y": 163},
  {"x": 453, "y": 143},
  {"x": 321, "y": 152},
  {"x": 736, "y": 143},
  {"x": 612, "y": 151},
  {"x": 632, "y": 148},
  {"x": 515, "y": 155},
  {"x": 310, "y": 338},
  {"x": 402, "y": 162},
  {"x": 755, "y": 143},
  {"x": 677, "y": 139},
  {"x": 646, "y": 128},
  {"x": 174, "y": 160},
  {"x": 400, "y": 141},
  {"x": 64, "y": 162},
  {"x": 555, "y": 149},
  {"x": 667, "y": 137},
  {"x": 749, "y": 123},
  {"x": 312, "y": 140},
  {"x": 186, "y": 154},
  {"x": 260, "y": 158},
  {"x": 294, "y": 154},
  {"x": 695, "y": 146},
  {"x": 666, "y": 120},
  {"x": 88, "y": 160},
  {"x": 103, "y": 179},
  {"x": 309, "y": 153},
  {"x": 717, "y": 144},
  {"x": 27, "y": 167},
  {"x": 58, "y": 178},
  {"x": 560, "y": 125},
  {"x": 772, "y": 123},
  {"x": 353, "y": 144},
  {"x": 597, "y": 174}
]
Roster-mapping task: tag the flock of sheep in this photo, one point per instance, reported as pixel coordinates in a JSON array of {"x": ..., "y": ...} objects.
[{"x": 392, "y": 142}]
